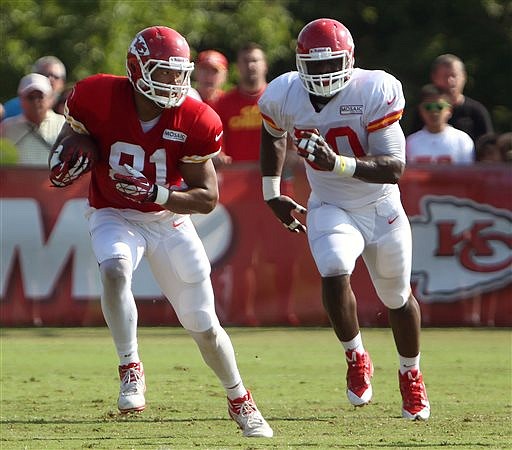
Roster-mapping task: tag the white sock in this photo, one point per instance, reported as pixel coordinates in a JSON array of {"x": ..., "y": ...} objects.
[
  {"x": 407, "y": 364},
  {"x": 236, "y": 391},
  {"x": 354, "y": 344},
  {"x": 217, "y": 351},
  {"x": 120, "y": 313},
  {"x": 128, "y": 357},
  {"x": 122, "y": 323}
]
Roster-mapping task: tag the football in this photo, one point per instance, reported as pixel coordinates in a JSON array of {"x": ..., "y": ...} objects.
[{"x": 79, "y": 144}]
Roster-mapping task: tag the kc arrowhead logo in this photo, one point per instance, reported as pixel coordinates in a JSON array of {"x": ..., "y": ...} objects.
[{"x": 460, "y": 248}]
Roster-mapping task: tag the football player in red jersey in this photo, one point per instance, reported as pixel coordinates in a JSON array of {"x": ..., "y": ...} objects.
[
  {"x": 346, "y": 124},
  {"x": 154, "y": 168}
]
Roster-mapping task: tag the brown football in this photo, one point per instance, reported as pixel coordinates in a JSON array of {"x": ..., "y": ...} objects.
[{"x": 76, "y": 144}]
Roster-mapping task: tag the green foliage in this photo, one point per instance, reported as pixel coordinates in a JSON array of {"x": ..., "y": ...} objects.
[
  {"x": 8, "y": 153},
  {"x": 59, "y": 390},
  {"x": 402, "y": 37}
]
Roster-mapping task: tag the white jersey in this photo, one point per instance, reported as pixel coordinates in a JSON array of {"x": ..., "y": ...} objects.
[
  {"x": 371, "y": 101},
  {"x": 449, "y": 146}
]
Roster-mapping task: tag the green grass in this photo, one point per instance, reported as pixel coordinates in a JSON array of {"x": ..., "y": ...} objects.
[{"x": 59, "y": 391}]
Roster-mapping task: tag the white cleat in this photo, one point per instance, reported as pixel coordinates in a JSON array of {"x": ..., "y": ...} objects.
[
  {"x": 245, "y": 413},
  {"x": 132, "y": 389}
]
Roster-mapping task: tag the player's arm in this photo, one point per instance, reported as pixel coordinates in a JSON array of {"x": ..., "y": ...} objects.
[
  {"x": 386, "y": 165},
  {"x": 272, "y": 156},
  {"x": 201, "y": 195},
  {"x": 388, "y": 144}
]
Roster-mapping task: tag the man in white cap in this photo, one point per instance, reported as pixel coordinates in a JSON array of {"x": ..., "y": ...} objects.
[
  {"x": 50, "y": 66},
  {"x": 34, "y": 131}
]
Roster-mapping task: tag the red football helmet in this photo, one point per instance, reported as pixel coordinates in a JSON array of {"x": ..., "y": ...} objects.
[
  {"x": 320, "y": 40},
  {"x": 160, "y": 48}
]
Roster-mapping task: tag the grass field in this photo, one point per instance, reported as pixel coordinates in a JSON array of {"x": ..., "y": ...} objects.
[{"x": 59, "y": 391}]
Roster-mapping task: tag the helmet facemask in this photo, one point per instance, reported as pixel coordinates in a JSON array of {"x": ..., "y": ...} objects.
[
  {"x": 164, "y": 95},
  {"x": 327, "y": 84}
]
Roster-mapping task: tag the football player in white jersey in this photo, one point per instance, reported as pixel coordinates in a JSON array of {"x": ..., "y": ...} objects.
[{"x": 346, "y": 124}]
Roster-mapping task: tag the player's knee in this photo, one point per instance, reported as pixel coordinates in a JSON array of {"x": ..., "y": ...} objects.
[
  {"x": 115, "y": 272},
  {"x": 392, "y": 292},
  {"x": 200, "y": 321}
]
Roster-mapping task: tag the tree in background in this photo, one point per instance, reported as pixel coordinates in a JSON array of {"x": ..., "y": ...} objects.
[{"x": 401, "y": 36}]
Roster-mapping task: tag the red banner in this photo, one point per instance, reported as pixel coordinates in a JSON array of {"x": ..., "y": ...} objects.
[{"x": 262, "y": 274}]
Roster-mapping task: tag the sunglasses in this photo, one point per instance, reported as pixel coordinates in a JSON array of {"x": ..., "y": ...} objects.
[
  {"x": 55, "y": 76},
  {"x": 435, "y": 106}
]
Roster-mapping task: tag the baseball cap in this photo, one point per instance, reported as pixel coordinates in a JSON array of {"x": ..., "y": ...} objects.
[
  {"x": 212, "y": 58},
  {"x": 34, "y": 82}
]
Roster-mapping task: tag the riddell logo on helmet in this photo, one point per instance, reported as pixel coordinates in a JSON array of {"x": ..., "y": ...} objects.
[
  {"x": 139, "y": 46},
  {"x": 461, "y": 248},
  {"x": 321, "y": 52}
]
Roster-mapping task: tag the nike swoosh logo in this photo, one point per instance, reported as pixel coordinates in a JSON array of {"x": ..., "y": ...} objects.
[
  {"x": 177, "y": 223},
  {"x": 390, "y": 221},
  {"x": 218, "y": 136},
  {"x": 391, "y": 101}
]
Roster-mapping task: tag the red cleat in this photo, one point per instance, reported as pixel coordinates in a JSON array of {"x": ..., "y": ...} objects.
[
  {"x": 359, "y": 372},
  {"x": 415, "y": 404}
]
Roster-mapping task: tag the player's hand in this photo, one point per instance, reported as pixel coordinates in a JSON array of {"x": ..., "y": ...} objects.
[
  {"x": 283, "y": 207},
  {"x": 313, "y": 147},
  {"x": 63, "y": 173},
  {"x": 135, "y": 186}
]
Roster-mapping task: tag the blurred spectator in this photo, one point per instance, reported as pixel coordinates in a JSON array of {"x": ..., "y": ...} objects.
[
  {"x": 448, "y": 73},
  {"x": 238, "y": 108},
  {"x": 210, "y": 73},
  {"x": 438, "y": 142},
  {"x": 505, "y": 145},
  {"x": 61, "y": 101},
  {"x": 194, "y": 94},
  {"x": 49, "y": 66},
  {"x": 241, "y": 118},
  {"x": 487, "y": 149},
  {"x": 34, "y": 131}
]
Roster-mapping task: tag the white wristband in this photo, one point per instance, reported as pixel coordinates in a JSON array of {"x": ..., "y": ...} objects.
[
  {"x": 271, "y": 187},
  {"x": 162, "y": 195},
  {"x": 344, "y": 166}
]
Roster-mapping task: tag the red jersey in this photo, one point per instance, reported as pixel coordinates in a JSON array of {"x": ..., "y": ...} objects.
[
  {"x": 103, "y": 106},
  {"x": 241, "y": 120},
  {"x": 219, "y": 93}
]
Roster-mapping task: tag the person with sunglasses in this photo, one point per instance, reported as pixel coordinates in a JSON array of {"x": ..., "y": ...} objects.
[
  {"x": 438, "y": 142},
  {"x": 448, "y": 73},
  {"x": 51, "y": 67}
]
